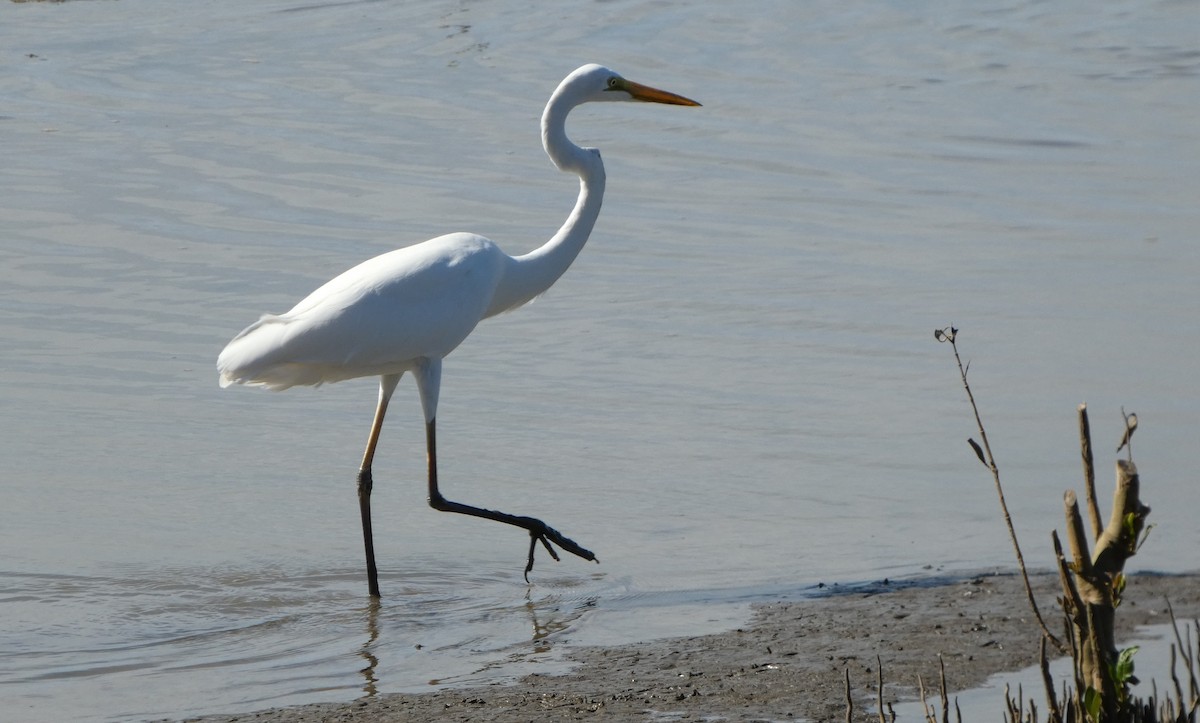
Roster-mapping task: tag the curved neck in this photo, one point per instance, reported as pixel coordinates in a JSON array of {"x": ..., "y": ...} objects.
[{"x": 532, "y": 274}]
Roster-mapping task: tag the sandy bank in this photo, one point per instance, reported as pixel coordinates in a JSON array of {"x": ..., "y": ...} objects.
[{"x": 787, "y": 662}]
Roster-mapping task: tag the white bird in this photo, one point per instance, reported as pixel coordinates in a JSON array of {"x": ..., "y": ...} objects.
[{"x": 405, "y": 310}]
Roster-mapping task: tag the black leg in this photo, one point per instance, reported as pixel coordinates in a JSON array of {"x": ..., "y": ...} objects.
[
  {"x": 364, "y": 505},
  {"x": 387, "y": 385},
  {"x": 538, "y": 531}
]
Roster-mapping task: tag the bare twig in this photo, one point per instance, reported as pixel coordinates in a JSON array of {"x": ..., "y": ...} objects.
[
  {"x": 1048, "y": 681},
  {"x": 1081, "y": 561},
  {"x": 1186, "y": 652},
  {"x": 849, "y": 699},
  {"x": 1191, "y": 664},
  {"x": 924, "y": 704},
  {"x": 1089, "y": 469},
  {"x": 945, "y": 695},
  {"x": 1174, "y": 675},
  {"x": 1071, "y": 602},
  {"x": 879, "y": 674},
  {"x": 1131, "y": 422},
  {"x": 949, "y": 335}
]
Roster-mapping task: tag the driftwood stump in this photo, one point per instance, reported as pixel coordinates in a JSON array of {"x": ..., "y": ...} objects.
[{"x": 1093, "y": 583}]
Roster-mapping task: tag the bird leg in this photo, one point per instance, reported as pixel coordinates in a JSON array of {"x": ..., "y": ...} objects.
[
  {"x": 538, "y": 531},
  {"x": 364, "y": 506},
  {"x": 366, "y": 482}
]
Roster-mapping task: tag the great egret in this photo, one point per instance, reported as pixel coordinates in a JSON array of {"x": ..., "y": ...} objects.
[{"x": 405, "y": 310}]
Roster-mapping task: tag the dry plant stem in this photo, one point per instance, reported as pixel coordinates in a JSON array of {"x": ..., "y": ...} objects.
[
  {"x": 1174, "y": 676},
  {"x": 1191, "y": 665},
  {"x": 1089, "y": 594},
  {"x": 1089, "y": 469},
  {"x": 945, "y": 695},
  {"x": 1012, "y": 533},
  {"x": 879, "y": 674},
  {"x": 1077, "y": 539},
  {"x": 1118, "y": 542},
  {"x": 1101, "y": 681},
  {"x": 1188, "y": 661},
  {"x": 1048, "y": 682},
  {"x": 1081, "y": 597},
  {"x": 849, "y": 699},
  {"x": 1072, "y": 607}
]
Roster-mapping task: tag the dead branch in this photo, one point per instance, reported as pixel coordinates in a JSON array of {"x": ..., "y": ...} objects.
[
  {"x": 1089, "y": 469},
  {"x": 949, "y": 335}
]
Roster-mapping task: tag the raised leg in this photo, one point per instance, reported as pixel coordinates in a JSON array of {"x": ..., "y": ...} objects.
[{"x": 538, "y": 531}]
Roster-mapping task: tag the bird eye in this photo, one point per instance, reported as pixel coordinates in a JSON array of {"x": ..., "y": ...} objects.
[{"x": 614, "y": 83}]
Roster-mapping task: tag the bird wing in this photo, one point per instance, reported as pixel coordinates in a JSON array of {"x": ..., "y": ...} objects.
[{"x": 376, "y": 318}]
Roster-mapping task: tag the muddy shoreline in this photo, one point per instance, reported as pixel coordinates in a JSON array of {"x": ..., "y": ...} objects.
[{"x": 788, "y": 662}]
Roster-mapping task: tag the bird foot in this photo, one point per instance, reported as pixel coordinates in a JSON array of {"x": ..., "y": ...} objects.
[{"x": 541, "y": 532}]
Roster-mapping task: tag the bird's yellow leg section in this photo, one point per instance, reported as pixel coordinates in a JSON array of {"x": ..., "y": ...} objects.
[{"x": 387, "y": 385}]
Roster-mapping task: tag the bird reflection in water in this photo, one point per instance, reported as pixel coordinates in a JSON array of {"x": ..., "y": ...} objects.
[
  {"x": 547, "y": 618},
  {"x": 370, "y": 678}
]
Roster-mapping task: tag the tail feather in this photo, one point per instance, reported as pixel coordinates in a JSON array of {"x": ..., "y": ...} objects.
[{"x": 253, "y": 358}]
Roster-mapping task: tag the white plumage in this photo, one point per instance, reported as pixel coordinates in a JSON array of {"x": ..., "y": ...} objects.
[
  {"x": 377, "y": 318},
  {"x": 405, "y": 310}
]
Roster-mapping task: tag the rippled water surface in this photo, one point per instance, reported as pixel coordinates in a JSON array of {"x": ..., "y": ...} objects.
[{"x": 733, "y": 394}]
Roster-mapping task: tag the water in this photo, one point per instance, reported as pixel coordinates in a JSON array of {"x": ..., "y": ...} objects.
[
  {"x": 734, "y": 393},
  {"x": 1152, "y": 668}
]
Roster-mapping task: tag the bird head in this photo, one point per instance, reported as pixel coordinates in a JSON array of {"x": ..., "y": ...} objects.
[{"x": 595, "y": 83}]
